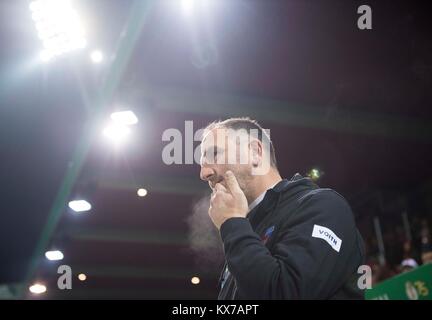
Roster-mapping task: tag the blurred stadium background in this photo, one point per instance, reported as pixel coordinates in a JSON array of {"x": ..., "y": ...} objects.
[{"x": 350, "y": 108}]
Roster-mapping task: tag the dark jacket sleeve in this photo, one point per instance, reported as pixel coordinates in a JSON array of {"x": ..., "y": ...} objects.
[{"x": 299, "y": 266}]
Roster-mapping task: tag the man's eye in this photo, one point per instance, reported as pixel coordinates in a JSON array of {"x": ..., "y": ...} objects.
[{"x": 211, "y": 155}]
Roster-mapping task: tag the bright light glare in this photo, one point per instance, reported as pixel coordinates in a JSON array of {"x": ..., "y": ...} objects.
[
  {"x": 315, "y": 174},
  {"x": 82, "y": 277},
  {"x": 54, "y": 255},
  {"x": 142, "y": 192},
  {"x": 79, "y": 205},
  {"x": 58, "y": 26},
  {"x": 45, "y": 56},
  {"x": 124, "y": 118},
  {"x": 116, "y": 132},
  {"x": 96, "y": 56},
  {"x": 195, "y": 280},
  {"x": 188, "y": 6},
  {"x": 37, "y": 288}
]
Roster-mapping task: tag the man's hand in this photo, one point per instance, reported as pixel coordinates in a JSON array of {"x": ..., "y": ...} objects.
[{"x": 227, "y": 203}]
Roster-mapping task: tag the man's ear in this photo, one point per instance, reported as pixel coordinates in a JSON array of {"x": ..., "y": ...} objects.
[{"x": 255, "y": 148}]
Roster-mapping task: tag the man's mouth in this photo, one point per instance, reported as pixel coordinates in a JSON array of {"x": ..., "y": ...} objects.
[{"x": 213, "y": 184}]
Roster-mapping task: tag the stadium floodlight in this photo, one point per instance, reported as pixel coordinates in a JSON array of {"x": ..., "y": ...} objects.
[
  {"x": 195, "y": 280},
  {"x": 54, "y": 255},
  {"x": 124, "y": 117},
  {"x": 117, "y": 133},
  {"x": 37, "y": 288},
  {"x": 96, "y": 56},
  {"x": 142, "y": 192},
  {"x": 315, "y": 174},
  {"x": 59, "y": 27},
  {"x": 188, "y": 7},
  {"x": 79, "y": 205}
]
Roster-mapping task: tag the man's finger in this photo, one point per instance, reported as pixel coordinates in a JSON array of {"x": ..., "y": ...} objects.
[
  {"x": 232, "y": 183},
  {"x": 220, "y": 187}
]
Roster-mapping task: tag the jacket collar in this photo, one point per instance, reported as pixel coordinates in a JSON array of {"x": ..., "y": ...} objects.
[{"x": 271, "y": 200}]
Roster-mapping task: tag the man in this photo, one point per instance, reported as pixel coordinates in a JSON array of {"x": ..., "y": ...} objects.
[
  {"x": 283, "y": 239},
  {"x": 408, "y": 265}
]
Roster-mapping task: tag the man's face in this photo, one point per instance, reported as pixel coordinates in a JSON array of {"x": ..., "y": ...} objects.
[{"x": 221, "y": 152}]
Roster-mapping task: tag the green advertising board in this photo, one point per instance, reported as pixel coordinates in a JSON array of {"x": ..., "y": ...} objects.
[{"x": 413, "y": 285}]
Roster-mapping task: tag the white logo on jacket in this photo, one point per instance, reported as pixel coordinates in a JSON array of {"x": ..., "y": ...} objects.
[{"x": 329, "y": 236}]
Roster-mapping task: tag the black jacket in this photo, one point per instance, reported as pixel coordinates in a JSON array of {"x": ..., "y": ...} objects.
[{"x": 300, "y": 242}]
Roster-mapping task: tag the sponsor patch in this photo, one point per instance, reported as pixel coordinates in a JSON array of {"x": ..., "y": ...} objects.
[{"x": 329, "y": 236}]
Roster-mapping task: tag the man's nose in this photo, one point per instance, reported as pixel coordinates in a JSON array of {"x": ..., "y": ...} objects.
[{"x": 206, "y": 173}]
